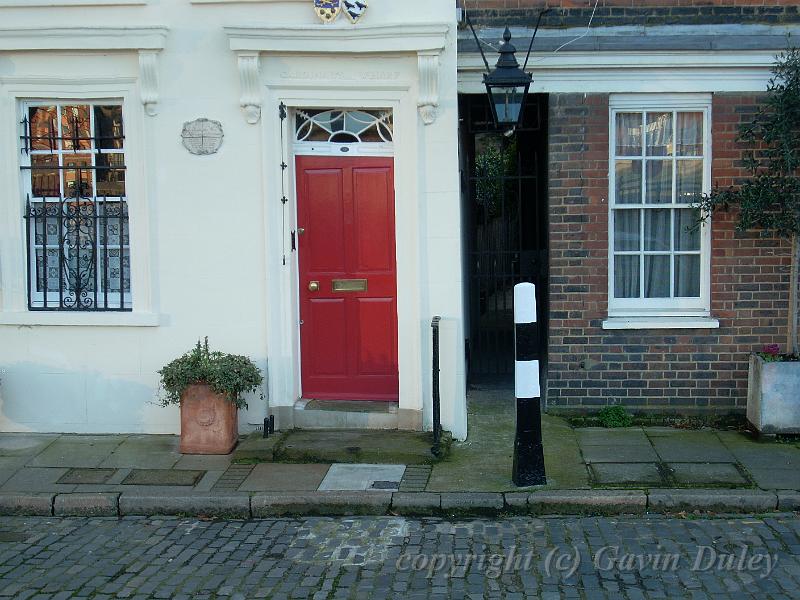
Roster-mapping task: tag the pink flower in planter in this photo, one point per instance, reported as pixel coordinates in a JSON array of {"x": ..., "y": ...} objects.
[{"x": 772, "y": 349}]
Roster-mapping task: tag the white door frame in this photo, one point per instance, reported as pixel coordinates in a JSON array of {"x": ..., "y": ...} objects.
[
  {"x": 332, "y": 149},
  {"x": 283, "y": 347}
]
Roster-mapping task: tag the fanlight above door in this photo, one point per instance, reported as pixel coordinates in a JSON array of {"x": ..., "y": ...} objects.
[{"x": 344, "y": 126}]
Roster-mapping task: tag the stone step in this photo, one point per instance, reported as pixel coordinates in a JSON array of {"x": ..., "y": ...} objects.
[
  {"x": 341, "y": 414},
  {"x": 358, "y": 446},
  {"x": 328, "y": 445}
]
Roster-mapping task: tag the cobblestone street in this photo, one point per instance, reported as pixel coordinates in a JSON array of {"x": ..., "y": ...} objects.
[{"x": 390, "y": 557}]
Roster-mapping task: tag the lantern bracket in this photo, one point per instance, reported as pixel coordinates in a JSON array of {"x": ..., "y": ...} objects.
[{"x": 478, "y": 41}]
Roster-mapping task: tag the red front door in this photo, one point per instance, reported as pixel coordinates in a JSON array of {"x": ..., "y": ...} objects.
[{"x": 348, "y": 282}]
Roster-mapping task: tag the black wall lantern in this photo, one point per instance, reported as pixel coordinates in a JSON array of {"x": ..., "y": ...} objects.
[{"x": 507, "y": 84}]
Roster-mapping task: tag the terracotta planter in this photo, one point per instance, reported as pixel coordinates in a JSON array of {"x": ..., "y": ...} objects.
[{"x": 209, "y": 423}]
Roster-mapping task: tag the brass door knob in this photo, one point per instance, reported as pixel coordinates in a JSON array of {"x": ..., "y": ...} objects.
[{"x": 313, "y": 286}]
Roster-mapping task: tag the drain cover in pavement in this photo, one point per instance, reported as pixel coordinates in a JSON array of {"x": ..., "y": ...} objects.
[
  {"x": 84, "y": 476},
  {"x": 385, "y": 485},
  {"x": 162, "y": 477},
  {"x": 9, "y": 536}
]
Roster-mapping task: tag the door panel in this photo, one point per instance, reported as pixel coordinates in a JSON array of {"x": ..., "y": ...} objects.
[
  {"x": 348, "y": 339},
  {"x": 374, "y": 215},
  {"x": 326, "y": 319},
  {"x": 375, "y": 357},
  {"x": 325, "y": 213}
]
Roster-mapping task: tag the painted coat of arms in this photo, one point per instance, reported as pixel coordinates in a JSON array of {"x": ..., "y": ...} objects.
[
  {"x": 354, "y": 9},
  {"x": 328, "y": 10}
]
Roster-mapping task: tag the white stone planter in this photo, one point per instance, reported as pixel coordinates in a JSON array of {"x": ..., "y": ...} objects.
[{"x": 773, "y": 396}]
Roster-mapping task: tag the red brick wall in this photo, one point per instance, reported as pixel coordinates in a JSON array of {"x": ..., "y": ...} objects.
[
  {"x": 575, "y": 13},
  {"x": 698, "y": 370},
  {"x": 478, "y": 4}
]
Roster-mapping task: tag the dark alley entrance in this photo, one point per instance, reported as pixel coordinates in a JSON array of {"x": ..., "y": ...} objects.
[{"x": 504, "y": 207}]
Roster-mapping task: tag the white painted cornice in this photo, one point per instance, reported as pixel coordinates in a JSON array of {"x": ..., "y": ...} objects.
[
  {"x": 146, "y": 41},
  {"x": 53, "y": 3},
  {"x": 619, "y": 72},
  {"x": 241, "y": 1},
  {"x": 313, "y": 39},
  {"x": 540, "y": 61},
  {"x": 426, "y": 40},
  {"x": 84, "y": 38}
]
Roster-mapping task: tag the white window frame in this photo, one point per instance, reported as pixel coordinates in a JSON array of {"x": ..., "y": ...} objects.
[
  {"x": 661, "y": 307},
  {"x": 53, "y": 298},
  {"x": 13, "y": 244}
]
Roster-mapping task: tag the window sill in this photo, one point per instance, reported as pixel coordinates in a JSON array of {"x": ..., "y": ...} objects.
[
  {"x": 661, "y": 323},
  {"x": 92, "y": 319}
]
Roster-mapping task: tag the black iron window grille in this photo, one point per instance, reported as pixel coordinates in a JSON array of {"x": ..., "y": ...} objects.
[{"x": 76, "y": 209}]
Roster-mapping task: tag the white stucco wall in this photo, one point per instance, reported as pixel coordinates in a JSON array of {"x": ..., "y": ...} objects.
[{"x": 206, "y": 231}]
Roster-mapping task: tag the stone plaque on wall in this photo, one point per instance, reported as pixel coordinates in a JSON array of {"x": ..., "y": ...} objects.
[{"x": 202, "y": 136}]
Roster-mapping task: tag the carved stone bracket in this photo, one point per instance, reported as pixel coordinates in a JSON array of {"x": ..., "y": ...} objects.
[
  {"x": 148, "y": 80},
  {"x": 428, "y": 102},
  {"x": 250, "y": 94}
]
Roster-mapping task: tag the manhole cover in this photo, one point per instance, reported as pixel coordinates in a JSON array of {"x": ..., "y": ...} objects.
[
  {"x": 86, "y": 476},
  {"x": 385, "y": 485},
  {"x": 162, "y": 477}
]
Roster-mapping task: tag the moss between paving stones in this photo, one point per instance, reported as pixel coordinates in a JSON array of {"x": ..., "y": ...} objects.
[
  {"x": 736, "y": 422},
  {"x": 669, "y": 480},
  {"x": 483, "y": 463},
  {"x": 256, "y": 449}
]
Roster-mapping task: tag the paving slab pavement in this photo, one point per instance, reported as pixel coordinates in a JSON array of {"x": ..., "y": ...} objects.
[
  {"x": 579, "y": 463},
  {"x": 25, "y": 444},
  {"x": 602, "y": 436},
  {"x": 214, "y": 462},
  {"x": 9, "y": 465},
  {"x": 707, "y": 474},
  {"x": 640, "y": 453},
  {"x": 37, "y": 479},
  {"x": 484, "y": 461},
  {"x": 626, "y": 473},
  {"x": 691, "y": 446},
  {"x": 77, "y": 451},
  {"x": 279, "y": 477},
  {"x": 776, "y": 479},
  {"x": 145, "y": 452}
]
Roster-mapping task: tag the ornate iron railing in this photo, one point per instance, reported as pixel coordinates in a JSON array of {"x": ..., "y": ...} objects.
[{"x": 78, "y": 254}]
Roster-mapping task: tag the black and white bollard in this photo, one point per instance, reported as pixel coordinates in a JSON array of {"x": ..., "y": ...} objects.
[{"x": 528, "y": 453}]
